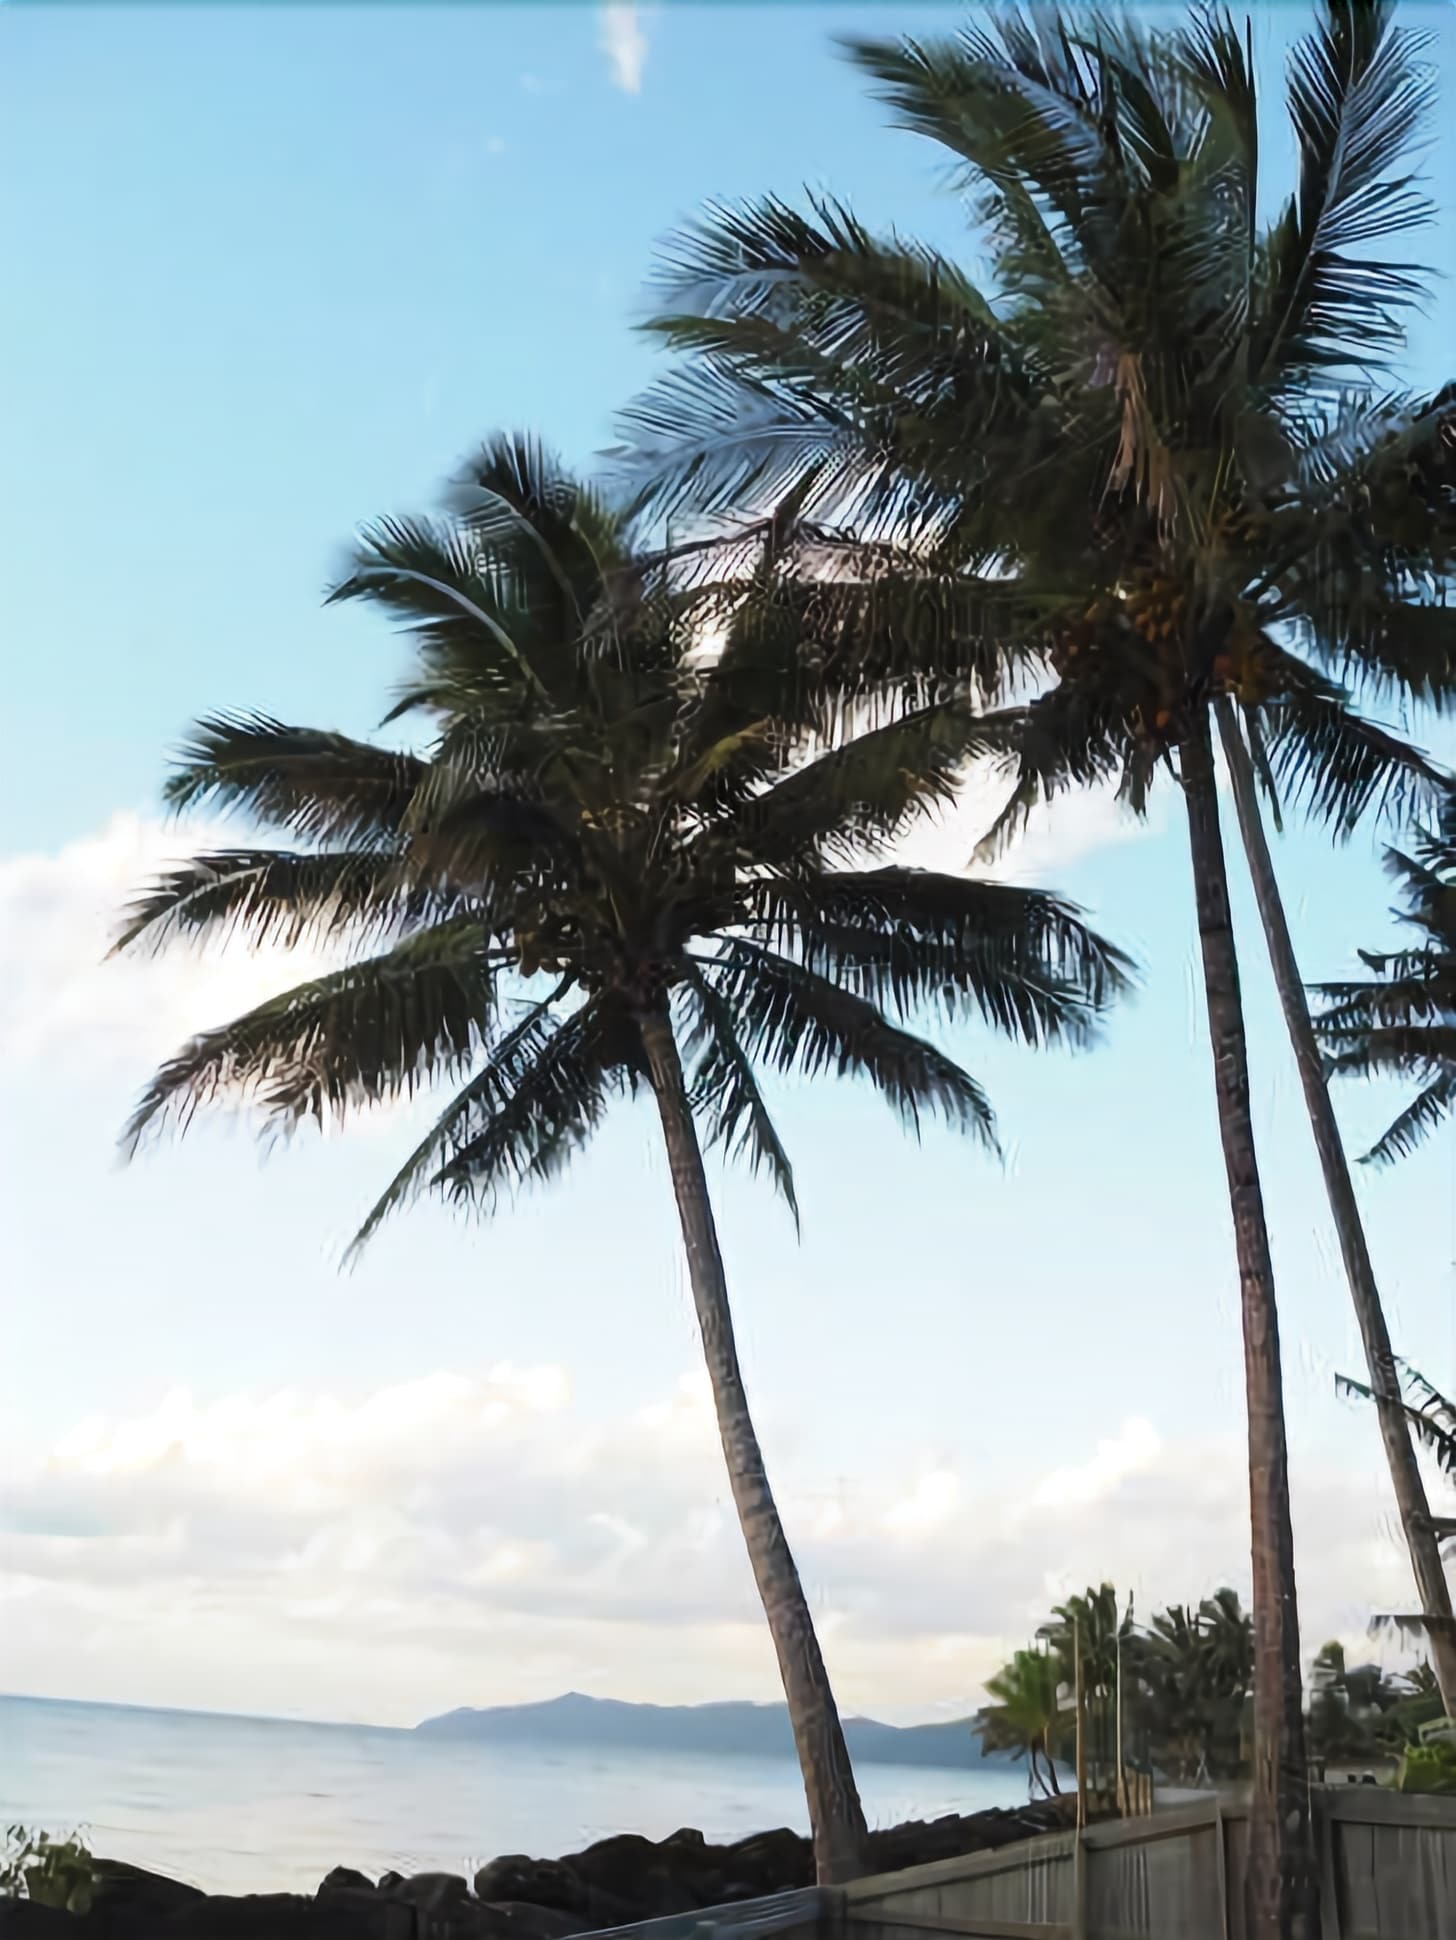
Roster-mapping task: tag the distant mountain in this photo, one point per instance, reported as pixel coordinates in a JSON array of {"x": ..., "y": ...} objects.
[{"x": 754, "y": 1730}]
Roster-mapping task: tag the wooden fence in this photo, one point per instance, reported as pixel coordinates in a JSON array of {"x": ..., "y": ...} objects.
[{"x": 1387, "y": 1871}]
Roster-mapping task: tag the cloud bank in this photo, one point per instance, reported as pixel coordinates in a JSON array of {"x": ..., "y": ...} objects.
[{"x": 471, "y": 1537}]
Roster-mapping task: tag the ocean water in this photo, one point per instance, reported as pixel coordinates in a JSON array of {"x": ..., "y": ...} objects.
[{"x": 256, "y": 1805}]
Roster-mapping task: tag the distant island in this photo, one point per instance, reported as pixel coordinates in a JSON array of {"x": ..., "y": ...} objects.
[{"x": 749, "y": 1730}]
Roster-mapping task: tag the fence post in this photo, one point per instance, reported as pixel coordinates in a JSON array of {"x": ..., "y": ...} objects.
[
  {"x": 1079, "y": 1885},
  {"x": 1326, "y": 1831},
  {"x": 1222, "y": 1859}
]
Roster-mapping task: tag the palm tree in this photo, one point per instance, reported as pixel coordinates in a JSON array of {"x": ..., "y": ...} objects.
[
  {"x": 1025, "y": 1716},
  {"x": 1384, "y": 1389},
  {"x": 1133, "y": 444},
  {"x": 1400, "y": 1022},
  {"x": 612, "y": 866},
  {"x": 1197, "y": 1667}
]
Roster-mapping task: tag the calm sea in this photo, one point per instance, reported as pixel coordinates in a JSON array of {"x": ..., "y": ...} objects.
[{"x": 249, "y": 1804}]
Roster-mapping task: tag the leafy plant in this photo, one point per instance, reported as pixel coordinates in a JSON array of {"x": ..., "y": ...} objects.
[
  {"x": 1428, "y": 1768},
  {"x": 53, "y": 1872},
  {"x": 1400, "y": 1021}
]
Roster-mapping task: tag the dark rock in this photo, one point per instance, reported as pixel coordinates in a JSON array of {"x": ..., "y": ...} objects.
[
  {"x": 539, "y": 1882},
  {"x": 266, "y": 1916},
  {"x": 115, "y": 1884},
  {"x": 25, "y": 1920},
  {"x": 433, "y": 1892},
  {"x": 344, "y": 1879},
  {"x": 772, "y": 1862},
  {"x": 388, "y": 1881},
  {"x": 686, "y": 1836},
  {"x": 616, "y": 1866},
  {"x": 515, "y": 1920},
  {"x": 662, "y": 1893}
]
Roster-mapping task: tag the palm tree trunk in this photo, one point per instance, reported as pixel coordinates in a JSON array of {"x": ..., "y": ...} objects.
[
  {"x": 835, "y": 1814},
  {"x": 1282, "y": 1889},
  {"x": 1405, "y": 1474}
]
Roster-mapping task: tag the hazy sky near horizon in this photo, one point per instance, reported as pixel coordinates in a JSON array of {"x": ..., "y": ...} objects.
[{"x": 267, "y": 273}]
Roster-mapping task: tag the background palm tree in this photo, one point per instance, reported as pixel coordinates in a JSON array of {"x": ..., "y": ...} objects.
[
  {"x": 1400, "y": 1022},
  {"x": 612, "y": 866},
  {"x": 1025, "y": 1717},
  {"x": 1135, "y": 446}
]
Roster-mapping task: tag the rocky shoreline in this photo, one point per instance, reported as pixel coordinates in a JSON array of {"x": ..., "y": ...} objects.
[{"x": 616, "y": 1882}]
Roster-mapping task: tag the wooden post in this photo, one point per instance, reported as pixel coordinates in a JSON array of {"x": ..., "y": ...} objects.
[
  {"x": 1121, "y": 1781},
  {"x": 1081, "y": 1726}
]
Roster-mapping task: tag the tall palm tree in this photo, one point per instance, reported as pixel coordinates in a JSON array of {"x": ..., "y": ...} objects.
[
  {"x": 1133, "y": 441},
  {"x": 1025, "y": 1716},
  {"x": 1395, "y": 1416},
  {"x": 1400, "y": 1022},
  {"x": 613, "y": 865}
]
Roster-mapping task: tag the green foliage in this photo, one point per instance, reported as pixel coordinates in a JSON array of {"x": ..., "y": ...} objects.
[
  {"x": 53, "y": 1872},
  {"x": 1025, "y": 1717},
  {"x": 1186, "y": 1680},
  {"x": 1428, "y": 1768},
  {"x": 609, "y": 819},
  {"x": 1400, "y": 1022}
]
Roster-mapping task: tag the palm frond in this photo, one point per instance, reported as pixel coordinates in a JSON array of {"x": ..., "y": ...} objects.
[
  {"x": 517, "y": 499},
  {"x": 470, "y": 615},
  {"x": 710, "y": 437},
  {"x": 376, "y": 1029},
  {"x": 1358, "y": 94},
  {"x": 269, "y": 896},
  {"x": 1430, "y": 1416},
  {"x": 789, "y": 1017},
  {"x": 1340, "y": 766},
  {"x": 322, "y": 787},
  {"x": 1023, "y": 960},
  {"x": 872, "y": 787},
  {"x": 724, "y": 1088},
  {"x": 550, "y": 1102},
  {"x": 1411, "y": 1127},
  {"x": 489, "y": 1091}
]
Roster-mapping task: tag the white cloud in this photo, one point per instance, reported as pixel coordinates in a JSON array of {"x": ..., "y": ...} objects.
[
  {"x": 624, "y": 43},
  {"x": 1055, "y": 836},
  {"x": 60, "y": 999},
  {"x": 471, "y": 1536}
]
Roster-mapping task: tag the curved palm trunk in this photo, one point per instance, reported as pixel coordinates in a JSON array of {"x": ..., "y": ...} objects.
[
  {"x": 1282, "y": 1890},
  {"x": 1405, "y": 1474},
  {"x": 835, "y": 1815}
]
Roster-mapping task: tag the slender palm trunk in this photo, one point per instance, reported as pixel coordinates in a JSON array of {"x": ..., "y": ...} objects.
[
  {"x": 835, "y": 1815},
  {"x": 1405, "y": 1474},
  {"x": 1282, "y": 1889}
]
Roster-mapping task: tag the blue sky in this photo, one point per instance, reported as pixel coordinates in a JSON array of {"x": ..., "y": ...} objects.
[{"x": 268, "y": 273}]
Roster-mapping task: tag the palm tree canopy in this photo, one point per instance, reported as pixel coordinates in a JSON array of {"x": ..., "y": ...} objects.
[
  {"x": 607, "y": 816},
  {"x": 1400, "y": 1021},
  {"x": 1150, "y": 428},
  {"x": 1024, "y": 1713}
]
